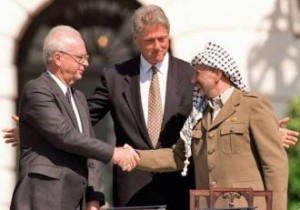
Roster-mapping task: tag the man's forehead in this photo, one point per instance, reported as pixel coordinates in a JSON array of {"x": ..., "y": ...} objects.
[{"x": 202, "y": 66}]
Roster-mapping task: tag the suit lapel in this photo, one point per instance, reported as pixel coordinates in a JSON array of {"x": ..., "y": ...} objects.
[
  {"x": 61, "y": 97},
  {"x": 228, "y": 109},
  {"x": 133, "y": 98},
  {"x": 206, "y": 119},
  {"x": 171, "y": 92}
]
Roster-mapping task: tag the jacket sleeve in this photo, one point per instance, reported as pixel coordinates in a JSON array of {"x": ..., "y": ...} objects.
[
  {"x": 95, "y": 186},
  {"x": 99, "y": 102},
  {"x": 162, "y": 160},
  {"x": 42, "y": 109},
  {"x": 274, "y": 163}
]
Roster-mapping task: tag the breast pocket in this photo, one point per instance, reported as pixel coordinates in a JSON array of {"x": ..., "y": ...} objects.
[{"x": 232, "y": 138}]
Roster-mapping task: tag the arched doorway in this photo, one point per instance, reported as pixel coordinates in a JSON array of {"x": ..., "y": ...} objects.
[{"x": 105, "y": 26}]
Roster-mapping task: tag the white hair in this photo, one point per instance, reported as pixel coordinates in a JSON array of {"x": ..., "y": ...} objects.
[{"x": 55, "y": 40}]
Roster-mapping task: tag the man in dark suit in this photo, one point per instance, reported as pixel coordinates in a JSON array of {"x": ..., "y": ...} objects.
[
  {"x": 123, "y": 91},
  {"x": 56, "y": 137}
]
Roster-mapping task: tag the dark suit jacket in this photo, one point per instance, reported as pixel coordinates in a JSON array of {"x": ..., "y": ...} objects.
[
  {"x": 119, "y": 93},
  {"x": 55, "y": 173}
]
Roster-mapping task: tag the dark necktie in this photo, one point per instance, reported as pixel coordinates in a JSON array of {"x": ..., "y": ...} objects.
[
  {"x": 74, "y": 108},
  {"x": 154, "y": 109},
  {"x": 68, "y": 95}
]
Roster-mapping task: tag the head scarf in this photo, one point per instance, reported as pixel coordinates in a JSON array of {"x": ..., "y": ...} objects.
[{"x": 216, "y": 57}]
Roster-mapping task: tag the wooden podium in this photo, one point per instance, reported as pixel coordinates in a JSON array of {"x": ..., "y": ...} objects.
[{"x": 225, "y": 198}]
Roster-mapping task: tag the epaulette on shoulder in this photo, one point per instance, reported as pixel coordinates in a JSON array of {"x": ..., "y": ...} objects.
[{"x": 250, "y": 94}]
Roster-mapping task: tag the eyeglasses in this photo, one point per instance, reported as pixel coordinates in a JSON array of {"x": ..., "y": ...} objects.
[{"x": 78, "y": 58}]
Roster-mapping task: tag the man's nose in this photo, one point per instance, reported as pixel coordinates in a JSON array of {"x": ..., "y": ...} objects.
[
  {"x": 156, "y": 44},
  {"x": 86, "y": 63}
]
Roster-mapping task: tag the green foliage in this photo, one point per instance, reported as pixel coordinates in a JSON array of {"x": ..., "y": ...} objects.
[{"x": 294, "y": 156}]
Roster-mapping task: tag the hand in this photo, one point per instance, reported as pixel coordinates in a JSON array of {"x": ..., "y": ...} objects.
[
  {"x": 11, "y": 135},
  {"x": 287, "y": 137},
  {"x": 92, "y": 205},
  {"x": 125, "y": 165},
  {"x": 126, "y": 157}
]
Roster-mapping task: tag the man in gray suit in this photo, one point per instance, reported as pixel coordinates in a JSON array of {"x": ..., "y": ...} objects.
[{"x": 56, "y": 136}]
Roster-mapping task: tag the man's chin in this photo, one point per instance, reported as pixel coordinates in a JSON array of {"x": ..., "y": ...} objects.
[
  {"x": 78, "y": 77},
  {"x": 158, "y": 59}
]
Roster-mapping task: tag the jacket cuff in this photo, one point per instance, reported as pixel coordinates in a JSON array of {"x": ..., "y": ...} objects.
[{"x": 91, "y": 195}]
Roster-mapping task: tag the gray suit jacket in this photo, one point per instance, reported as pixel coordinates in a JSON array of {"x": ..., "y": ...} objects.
[{"x": 55, "y": 172}]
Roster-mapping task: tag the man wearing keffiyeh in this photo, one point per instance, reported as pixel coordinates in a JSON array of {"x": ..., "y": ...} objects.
[{"x": 231, "y": 134}]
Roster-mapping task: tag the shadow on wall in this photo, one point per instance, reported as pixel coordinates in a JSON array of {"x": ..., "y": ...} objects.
[{"x": 273, "y": 63}]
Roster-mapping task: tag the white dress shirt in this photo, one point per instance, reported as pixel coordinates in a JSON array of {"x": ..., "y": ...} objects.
[
  {"x": 145, "y": 81},
  {"x": 218, "y": 102}
]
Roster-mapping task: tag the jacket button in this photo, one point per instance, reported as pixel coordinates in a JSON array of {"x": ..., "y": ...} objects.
[
  {"x": 91, "y": 165},
  {"x": 210, "y": 135},
  {"x": 211, "y": 151},
  {"x": 84, "y": 182},
  {"x": 210, "y": 168},
  {"x": 212, "y": 184}
]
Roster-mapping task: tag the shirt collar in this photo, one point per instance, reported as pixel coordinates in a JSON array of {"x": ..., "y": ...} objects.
[
  {"x": 162, "y": 67},
  {"x": 62, "y": 86},
  {"x": 219, "y": 101}
]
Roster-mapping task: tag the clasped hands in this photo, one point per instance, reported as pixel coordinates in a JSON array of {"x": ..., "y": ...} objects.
[{"x": 126, "y": 157}]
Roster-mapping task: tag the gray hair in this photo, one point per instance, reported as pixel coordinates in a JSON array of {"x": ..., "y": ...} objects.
[
  {"x": 148, "y": 15},
  {"x": 55, "y": 40}
]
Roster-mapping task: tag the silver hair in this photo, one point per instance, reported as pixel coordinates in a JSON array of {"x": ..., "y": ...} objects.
[
  {"x": 148, "y": 15},
  {"x": 55, "y": 40}
]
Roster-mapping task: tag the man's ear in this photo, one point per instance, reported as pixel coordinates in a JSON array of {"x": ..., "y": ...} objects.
[
  {"x": 56, "y": 58},
  {"x": 219, "y": 74}
]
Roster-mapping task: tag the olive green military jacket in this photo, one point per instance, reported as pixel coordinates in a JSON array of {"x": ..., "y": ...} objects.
[{"x": 240, "y": 149}]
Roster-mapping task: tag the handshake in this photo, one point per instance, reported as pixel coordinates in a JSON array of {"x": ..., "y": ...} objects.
[{"x": 126, "y": 157}]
